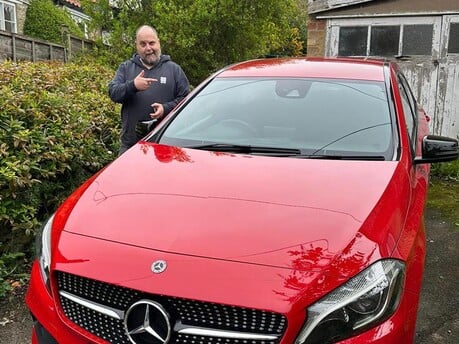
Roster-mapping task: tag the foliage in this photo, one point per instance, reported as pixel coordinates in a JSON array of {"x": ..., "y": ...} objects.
[
  {"x": 447, "y": 171},
  {"x": 10, "y": 273},
  {"x": 44, "y": 20},
  {"x": 57, "y": 127},
  {"x": 444, "y": 190},
  {"x": 204, "y": 35},
  {"x": 443, "y": 196}
]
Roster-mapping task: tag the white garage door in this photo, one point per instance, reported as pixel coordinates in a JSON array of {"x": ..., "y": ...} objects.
[{"x": 426, "y": 48}]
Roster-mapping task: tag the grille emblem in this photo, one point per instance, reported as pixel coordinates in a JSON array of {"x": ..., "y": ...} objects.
[
  {"x": 159, "y": 266},
  {"x": 147, "y": 322}
]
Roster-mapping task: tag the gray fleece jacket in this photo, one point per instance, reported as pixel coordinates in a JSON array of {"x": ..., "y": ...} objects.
[{"x": 171, "y": 88}]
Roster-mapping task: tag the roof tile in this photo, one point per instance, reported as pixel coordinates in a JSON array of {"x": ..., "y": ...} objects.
[{"x": 75, "y": 3}]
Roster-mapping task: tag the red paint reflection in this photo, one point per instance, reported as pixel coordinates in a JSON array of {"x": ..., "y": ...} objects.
[
  {"x": 316, "y": 271},
  {"x": 166, "y": 153}
]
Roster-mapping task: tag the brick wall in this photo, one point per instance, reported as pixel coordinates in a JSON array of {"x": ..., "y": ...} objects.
[
  {"x": 316, "y": 37},
  {"x": 21, "y": 10}
]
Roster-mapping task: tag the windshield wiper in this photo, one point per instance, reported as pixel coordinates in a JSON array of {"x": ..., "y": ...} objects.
[
  {"x": 279, "y": 151},
  {"x": 226, "y": 147}
]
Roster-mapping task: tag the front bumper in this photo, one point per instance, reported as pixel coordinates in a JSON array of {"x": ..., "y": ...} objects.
[
  {"x": 41, "y": 336},
  {"x": 51, "y": 326}
]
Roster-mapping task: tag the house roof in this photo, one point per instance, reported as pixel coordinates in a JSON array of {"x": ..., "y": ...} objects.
[
  {"x": 71, "y": 3},
  {"x": 315, "y": 6},
  {"x": 391, "y": 7}
]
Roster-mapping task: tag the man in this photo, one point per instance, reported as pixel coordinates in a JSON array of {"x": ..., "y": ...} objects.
[{"x": 148, "y": 86}]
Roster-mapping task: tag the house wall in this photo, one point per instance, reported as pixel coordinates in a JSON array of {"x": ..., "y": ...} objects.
[
  {"x": 21, "y": 10},
  {"x": 316, "y": 37},
  {"x": 317, "y": 23}
]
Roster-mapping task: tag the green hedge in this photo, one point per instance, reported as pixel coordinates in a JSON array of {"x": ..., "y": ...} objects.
[
  {"x": 57, "y": 127},
  {"x": 44, "y": 20}
]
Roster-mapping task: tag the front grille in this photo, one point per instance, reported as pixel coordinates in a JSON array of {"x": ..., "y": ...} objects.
[{"x": 182, "y": 312}]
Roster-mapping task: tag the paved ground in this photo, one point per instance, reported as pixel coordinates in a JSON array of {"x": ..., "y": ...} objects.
[{"x": 438, "y": 317}]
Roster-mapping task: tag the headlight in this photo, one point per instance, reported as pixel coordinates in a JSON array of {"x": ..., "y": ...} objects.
[
  {"x": 44, "y": 250},
  {"x": 362, "y": 302}
]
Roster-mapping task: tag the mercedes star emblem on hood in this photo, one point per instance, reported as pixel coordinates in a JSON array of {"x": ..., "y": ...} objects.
[{"x": 158, "y": 266}]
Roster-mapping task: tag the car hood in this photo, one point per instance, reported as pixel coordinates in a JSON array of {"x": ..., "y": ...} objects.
[{"x": 252, "y": 209}]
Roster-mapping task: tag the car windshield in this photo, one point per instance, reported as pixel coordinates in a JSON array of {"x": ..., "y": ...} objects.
[{"x": 322, "y": 118}]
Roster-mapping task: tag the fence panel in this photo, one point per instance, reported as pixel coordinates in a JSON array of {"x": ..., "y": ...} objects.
[{"x": 18, "y": 47}]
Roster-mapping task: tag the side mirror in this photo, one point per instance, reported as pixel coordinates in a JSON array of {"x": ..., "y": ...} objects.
[{"x": 438, "y": 149}]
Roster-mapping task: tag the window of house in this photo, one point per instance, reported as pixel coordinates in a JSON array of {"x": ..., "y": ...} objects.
[
  {"x": 386, "y": 40},
  {"x": 7, "y": 17},
  {"x": 80, "y": 19},
  {"x": 417, "y": 39},
  {"x": 453, "y": 43},
  {"x": 353, "y": 41},
  {"x": 83, "y": 27},
  {"x": 106, "y": 35}
]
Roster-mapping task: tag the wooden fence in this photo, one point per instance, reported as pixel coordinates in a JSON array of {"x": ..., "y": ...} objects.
[{"x": 17, "y": 47}]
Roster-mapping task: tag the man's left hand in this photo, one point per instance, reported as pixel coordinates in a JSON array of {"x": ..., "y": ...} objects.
[{"x": 158, "y": 110}]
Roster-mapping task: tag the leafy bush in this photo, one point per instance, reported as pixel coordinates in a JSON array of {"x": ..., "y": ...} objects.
[
  {"x": 44, "y": 20},
  {"x": 444, "y": 190},
  {"x": 10, "y": 272},
  {"x": 446, "y": 171},
  {"x": 57, "y": 127}
]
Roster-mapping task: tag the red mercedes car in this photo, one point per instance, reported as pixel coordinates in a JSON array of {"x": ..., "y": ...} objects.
[{"x": 281, "y": 202}]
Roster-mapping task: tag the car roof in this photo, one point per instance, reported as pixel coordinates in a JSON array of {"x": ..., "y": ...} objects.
[{"x": 335, "y": 68}]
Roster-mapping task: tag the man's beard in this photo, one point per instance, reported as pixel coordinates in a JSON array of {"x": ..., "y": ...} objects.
[{"x": 151, "y": 60}]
